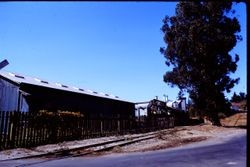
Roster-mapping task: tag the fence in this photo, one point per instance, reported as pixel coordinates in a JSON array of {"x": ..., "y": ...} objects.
[{"x": 26, "y": 129}]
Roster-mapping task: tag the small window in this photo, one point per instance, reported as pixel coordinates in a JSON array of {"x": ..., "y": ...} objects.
[
  {"x": 95, "y": 92},
  {"x": 19, "y": 76},
  {"x": 116, "y": 97},
  {"x": 65, "y": 86},
  {"x": 106, "y": 94},
  {"x": 46, "y": 82},
  {"x": 81, "y": 89}
]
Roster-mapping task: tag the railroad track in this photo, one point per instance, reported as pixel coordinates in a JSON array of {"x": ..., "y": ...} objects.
[
  {"x": 104, "y": 147},
  {"x": 89, "y": 149}
]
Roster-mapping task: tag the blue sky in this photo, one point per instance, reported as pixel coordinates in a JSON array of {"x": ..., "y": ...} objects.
[{"x": 110, "y": 47}]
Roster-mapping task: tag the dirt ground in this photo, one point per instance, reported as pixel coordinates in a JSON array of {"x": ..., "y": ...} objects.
[
  {"x": 178, "y": 136},
  {"x": 188, "y": 134}
]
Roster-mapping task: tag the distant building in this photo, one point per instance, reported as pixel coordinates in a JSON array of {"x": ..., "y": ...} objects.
[
  {"x": 152, "y": 107},
  {"x": 141, "y": 108},
  {"x": 24, "y": 93},
  {"x": 157, "y": 106},
  {"x": 177, "y": 104}
]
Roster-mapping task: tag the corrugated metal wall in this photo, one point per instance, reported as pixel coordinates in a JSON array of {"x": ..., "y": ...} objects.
[{"x": 9, "y": 97}]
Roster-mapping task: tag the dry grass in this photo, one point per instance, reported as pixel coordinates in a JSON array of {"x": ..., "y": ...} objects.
[{"x": 236, "y": 120}]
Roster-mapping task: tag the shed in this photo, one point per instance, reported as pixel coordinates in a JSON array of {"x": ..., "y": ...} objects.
[{"x": 24, "y": 93}]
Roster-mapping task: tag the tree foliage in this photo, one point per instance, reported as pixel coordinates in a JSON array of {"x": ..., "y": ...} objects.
[
  {"x": 199, "y": 38},
  {"x": 238, "y": 98}
]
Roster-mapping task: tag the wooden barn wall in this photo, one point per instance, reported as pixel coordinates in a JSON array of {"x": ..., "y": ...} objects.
[{"x": 42, "y": 98}]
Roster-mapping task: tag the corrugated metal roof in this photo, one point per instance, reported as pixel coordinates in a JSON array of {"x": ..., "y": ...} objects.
[{"x": 19, "y": 79}]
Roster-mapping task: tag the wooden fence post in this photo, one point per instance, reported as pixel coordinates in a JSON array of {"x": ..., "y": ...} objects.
[
  {"x": 9, "y": 129},
  {"x": 13, "y": 121},
  {"x": 1, "y": 129},
  {"x": 101, "y": 124},
  {"x": 118, "y": 123},
  {"x": 53, "y": 134}
]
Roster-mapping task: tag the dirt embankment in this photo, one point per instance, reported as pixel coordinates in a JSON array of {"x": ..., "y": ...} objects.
[
  {"x": 178, "y": 136},
  {"x": 236, "y": 120},
  {"x": 188, "y": 134}
]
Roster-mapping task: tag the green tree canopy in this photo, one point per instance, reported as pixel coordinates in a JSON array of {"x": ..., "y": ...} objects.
[{"x": 199, "y": 38}]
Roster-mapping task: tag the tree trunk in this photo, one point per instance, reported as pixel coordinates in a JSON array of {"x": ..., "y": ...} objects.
[{"x": 215, "y": 119}]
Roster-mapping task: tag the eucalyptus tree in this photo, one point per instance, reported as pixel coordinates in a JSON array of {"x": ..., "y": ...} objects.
[{"x": 199, "y": 38}]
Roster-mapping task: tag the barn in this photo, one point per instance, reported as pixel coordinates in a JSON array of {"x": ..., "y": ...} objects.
[{"x": 26, "y": 94}]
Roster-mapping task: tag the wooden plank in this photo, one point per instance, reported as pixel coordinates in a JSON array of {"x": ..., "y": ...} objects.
[
  {"x": 18, "y": 130},
  {"x": 47, "y": 135},
  {"x": 30, "y": 141},
  {"x": 32, "y": 136},
  {"x": 22, "y": 129},
  {"x": 5, "y": 123},
  {"x": 39, "y": 135},
  {"x": 1, "y": 129},
  {"x": 6, "y": 126},
  {"x": 43, "y": 135},
  {"x": 25, "y": 129},
  {"x": 13, "y": 130},
  {"x": 9, "y": 130},
  {"x": 35, "y": 136},
  {"x": 83, "y": 128},
  {"x": 29, "y": 137}
]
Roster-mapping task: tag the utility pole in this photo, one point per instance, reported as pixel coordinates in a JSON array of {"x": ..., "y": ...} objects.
[{"x": 165, "y": 97}]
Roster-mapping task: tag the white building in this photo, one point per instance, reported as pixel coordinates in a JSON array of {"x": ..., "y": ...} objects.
[
  {"x": 141, "y": 109},
  {"x": 177, "y": 104}
]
